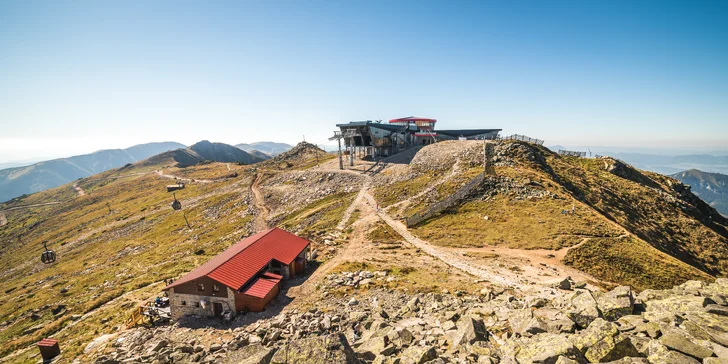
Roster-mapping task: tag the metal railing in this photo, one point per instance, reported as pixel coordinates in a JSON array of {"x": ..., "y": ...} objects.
[
  {"x": 522, "y": 138},
  {"x": 571, "y": 153}
]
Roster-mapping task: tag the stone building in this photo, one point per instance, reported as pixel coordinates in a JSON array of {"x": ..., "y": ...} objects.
[{"x": 245, "y": 277}]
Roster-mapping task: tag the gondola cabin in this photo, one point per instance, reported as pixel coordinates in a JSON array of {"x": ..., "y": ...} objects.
[{"x": 175, "y": 187}]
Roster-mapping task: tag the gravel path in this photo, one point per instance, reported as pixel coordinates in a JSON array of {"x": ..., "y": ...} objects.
[
  {"x": 78, "y": 189},
  {"x": 447, "y": 258},
  {"x": 261, "y": 219},
  {"x": 33, "y": 205},
  {"x": 354, "y": 204},
  {"x": 161, "y": 174}
]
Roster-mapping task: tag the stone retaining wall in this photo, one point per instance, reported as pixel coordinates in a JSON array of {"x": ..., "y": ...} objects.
[{"x": 193, "y": 304}]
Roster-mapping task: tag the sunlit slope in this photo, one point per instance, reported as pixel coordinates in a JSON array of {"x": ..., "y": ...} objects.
[
  {"x": 658, "y": 209},
  {"x": 536, "y": 199},
  {"x": 103, "y": 254},
  {"x": 119, "y": 241}
]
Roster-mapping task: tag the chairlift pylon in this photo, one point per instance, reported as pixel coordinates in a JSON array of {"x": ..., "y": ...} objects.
[{"x": 48, "y": 256}]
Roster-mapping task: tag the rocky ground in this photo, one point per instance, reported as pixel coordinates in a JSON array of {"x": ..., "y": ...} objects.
[
  {"x": 538, "y": 324},
  {"x": 286, "y": 192}
]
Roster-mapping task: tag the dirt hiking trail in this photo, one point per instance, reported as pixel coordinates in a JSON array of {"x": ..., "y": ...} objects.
[
  {"x": 78, "y": 189},
  {"x": 261, "y": 219}
]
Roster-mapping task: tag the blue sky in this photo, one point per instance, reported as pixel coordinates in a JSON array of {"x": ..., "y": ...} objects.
[{"x": 79, "y": 76}]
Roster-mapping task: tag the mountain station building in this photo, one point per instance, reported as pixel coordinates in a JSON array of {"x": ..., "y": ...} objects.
[
  {"x": 378, "y": 139},
  {"x": 245, "y": 277}
]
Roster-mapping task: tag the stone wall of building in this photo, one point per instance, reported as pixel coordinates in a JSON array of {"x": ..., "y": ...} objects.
[{"x": 193, "y": 306}]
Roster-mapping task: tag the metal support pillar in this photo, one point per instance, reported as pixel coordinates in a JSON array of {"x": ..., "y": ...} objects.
[
  {"x": 341, "y": 161},
  {"x": 351, "y": 153}
]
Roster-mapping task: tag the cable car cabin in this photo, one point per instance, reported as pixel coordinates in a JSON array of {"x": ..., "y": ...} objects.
[
  {"x": 179, "y": 186},
  {"x": 48, "y": 257},
  {"x": 176, "y": 205}
]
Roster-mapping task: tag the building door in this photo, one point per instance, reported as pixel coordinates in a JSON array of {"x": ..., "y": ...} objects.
[{"x": 217, "y": 308}]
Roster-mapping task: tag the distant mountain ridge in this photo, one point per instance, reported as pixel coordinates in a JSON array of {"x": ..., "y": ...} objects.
[
  {"x": 710, "y": 187},
  {"x": 206, "y": 151},
  {"x": 656, "y": 162},
  {"x": 260, "y": 154},
  {"x": 48, "y": 174},
  {"x": 674, "y": 164},
  {"x": 270, "y": 148}
]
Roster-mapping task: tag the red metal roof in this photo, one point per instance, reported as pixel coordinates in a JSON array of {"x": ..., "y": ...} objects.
[
  {"x": 261, "y": 287},
  {"x": 426, "y": 134},
  {"x": 239, "y": 263},
  {"x": 47, "y": 342},
  {"x": 271, "y": 275},
  {"x": 412, "y": 119}
]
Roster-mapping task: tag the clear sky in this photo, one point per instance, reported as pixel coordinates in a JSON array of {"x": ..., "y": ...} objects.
[{"x": 77, "y": 76}]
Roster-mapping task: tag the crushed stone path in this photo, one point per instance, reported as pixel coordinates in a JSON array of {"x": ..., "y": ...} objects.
[
  {"x": 347, "y": 214},
  {"x": 78, "y": 189},
  {"x": 261, "y": 219},
  {"x": 447, "y": 258},
  {"x": 3, "y": 219},
  {"x": 33, "y": 205},
  {"x": 161, "y": 174}
]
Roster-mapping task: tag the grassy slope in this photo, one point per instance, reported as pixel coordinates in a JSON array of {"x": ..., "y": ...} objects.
[
  {"x": 402, "y": 190},
  {"x": 102, "y": 255},
  {"x": 523, "y": 224},
  {"x": 142, "y": 241},
  {"x": 624, "y": 260},
  {"x": 646, "y": 206},
  {"x": 533, "y": 223},
  {"x": 599, "y": 196}
]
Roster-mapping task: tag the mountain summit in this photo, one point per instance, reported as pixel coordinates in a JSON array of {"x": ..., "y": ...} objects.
[
  {"x": 206, "y": 151},
  {"x": 270, "y": 148}
]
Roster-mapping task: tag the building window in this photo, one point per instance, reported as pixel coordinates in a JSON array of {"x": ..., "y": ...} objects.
[
  {"x": 184, "y": 303},
  {"x": 200, "y": 287},
  {"x": 215, "y": 288}
]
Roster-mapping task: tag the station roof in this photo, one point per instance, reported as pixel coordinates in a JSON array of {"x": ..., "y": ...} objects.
[
  {"x": 412, "y": 119},
  {"x": 466, "y": 132},
  {"x": 241, "y": 262},
  {"x": 371, "y": 124}
]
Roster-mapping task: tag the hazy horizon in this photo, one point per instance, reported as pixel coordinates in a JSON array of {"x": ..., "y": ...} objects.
[{"x": 79, "y": 76}]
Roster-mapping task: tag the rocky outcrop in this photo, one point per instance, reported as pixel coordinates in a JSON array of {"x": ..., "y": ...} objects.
[
  {"x": 545, "y": 325},
  {"x": 330, "y": 348},
  {"x": 584, "y": 308},
  {"x": 251, "y": 354}
]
